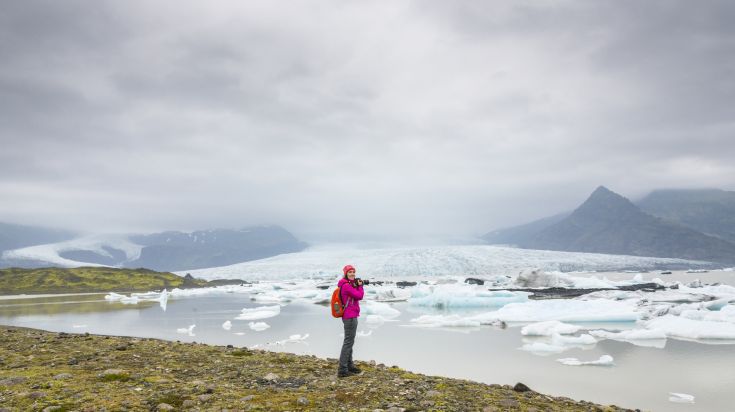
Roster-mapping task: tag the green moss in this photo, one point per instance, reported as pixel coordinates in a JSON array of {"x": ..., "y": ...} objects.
[{"x": 88, "y": 279}]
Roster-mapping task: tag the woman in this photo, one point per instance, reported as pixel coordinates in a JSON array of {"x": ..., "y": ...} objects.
[{"x": 351, "y": 294}]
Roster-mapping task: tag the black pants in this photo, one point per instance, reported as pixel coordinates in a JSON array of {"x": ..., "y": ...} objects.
[{"x": 345, "y": 357}]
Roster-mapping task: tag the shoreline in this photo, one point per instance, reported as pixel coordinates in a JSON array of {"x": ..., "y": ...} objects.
[{"x": 83, "y": 372}]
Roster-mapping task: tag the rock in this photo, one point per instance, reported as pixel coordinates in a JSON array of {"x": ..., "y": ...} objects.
[
  {"x": 403, "y": 284},
  {"x": 247, "y": 398},
  {"x": 520, "y": 387},
  {"x": 121, "y": 347},
  {"x": 188, "y": 403},
  {"x": 396, "y": 409},
  {"x": 489, "y": 409},
  {"x": 302, "y": 401},
  {"x": 112, "y": 372},
  {"x": 14, "y": 380},
  {"x": 52, "y": 408},
  {"x": 36, "y": 395},
  {"x": 271, "y": 377},
  {"x": 63, "y": 376},
  {"x": 72, "y": 361},
  {"x": 474, "y": 281},
  {"x": 432, "y": 393},
  {"x": 204, "y": 398},
  {"x": 164, "y": 407}
]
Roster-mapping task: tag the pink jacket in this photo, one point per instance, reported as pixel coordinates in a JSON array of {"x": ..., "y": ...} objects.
[{"x": 351, "y": 297}]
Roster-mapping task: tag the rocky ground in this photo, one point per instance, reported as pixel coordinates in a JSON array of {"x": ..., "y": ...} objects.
[{"x": 46, "y": 371}]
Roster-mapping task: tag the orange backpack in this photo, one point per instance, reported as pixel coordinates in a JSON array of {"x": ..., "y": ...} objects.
[{"x": 338, "y": 309}]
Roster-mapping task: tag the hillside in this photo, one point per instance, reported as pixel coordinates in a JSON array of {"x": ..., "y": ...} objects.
[
  {"x": 709, "y": 211},
  {"x": 609, "y": 223},
  {"x": 66, "y": 372},
  {"x": 89, "y": 279}
]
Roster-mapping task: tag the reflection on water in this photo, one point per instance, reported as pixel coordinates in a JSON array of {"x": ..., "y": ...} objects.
[
  {"x": 58, "y": 305},
  {"x": 642, "y": 377}
]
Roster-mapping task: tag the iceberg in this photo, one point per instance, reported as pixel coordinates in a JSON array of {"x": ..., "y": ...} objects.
[
  {"x": 680, "y": 397},
  {"x": 683, "y": 328},
  {"x": 261, "y": 312},
  {"x": 605, "y": 360},
  {"x": 549, "y": 328},
  {"x": 189, "y": 331},
  {"x": 382, "y": 309},
  {"x": 564, "y": 310},
  {"x": 258, "y": 326},
  {"x": 463, "y": 296},
  {"x": 433, "y": 321}
]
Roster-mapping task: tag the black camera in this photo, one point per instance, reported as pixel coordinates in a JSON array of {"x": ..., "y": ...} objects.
[{"x": 356, "y": 282}]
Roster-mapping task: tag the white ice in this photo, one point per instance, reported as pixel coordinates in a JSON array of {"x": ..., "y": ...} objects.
[
  {"x": 605, "y": 360},
  {"x": 258, "y": 326},
  {"x": 261, "y": 312},
  {"x": 680, "y": 397},
  {"x": 364, "y": 334},
  {"x": 429, "y": 261},
  {"x": 50, "y": 252},
  {"x": 679, "y": 327},
  {"x": 462, "y": 295},
  {"x": 549, "y": 328},
  {"x": 189, "y": 331},
  {"x": 384, "y": 310}
]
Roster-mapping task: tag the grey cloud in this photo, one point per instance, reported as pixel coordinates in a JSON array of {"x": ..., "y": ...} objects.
[{"x": 392, "y": 118}]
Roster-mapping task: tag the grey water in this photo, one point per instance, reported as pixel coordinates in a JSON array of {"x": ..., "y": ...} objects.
[{"x": 642, "y": 377}]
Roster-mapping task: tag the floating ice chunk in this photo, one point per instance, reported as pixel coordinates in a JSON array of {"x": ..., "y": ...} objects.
[
  {"x": 291, "y": 339},
  {"x": 130, "y": 300},
  {"x": 113, "y": 297},
  {"x": 632, "y": 334},
  {"x": 583, "y": 339},
  {"x": 638, "y": 337},
  {"x": 364, "y": 334},
  {"x": 605, "y": 360},
  {"x": 258, "y": 326},
  {"x": 433, "y": 321},
  {"x": 261, "y": 312},
  {"x": 227, "y": 325},
  {"x": 463, "y": 295},
  {"x": 549, "y": 328},
  {"x": 389, "y": 294},
  {"x": 385, "y": 310},
  {"x": 537, "y": 278},
  {"x": 189, "y": 331},
  {"x": 726, "y": 314},
  {"x": 680, "y": 397},
  {"x": 565, "y": 310},
  {"x": 679, "y": 327}
]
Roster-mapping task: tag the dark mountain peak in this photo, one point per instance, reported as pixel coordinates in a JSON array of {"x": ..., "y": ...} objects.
[{"x": 604, "y": 204}]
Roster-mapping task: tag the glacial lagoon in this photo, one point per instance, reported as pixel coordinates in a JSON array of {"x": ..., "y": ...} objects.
[{"x": 642, "y": 374}]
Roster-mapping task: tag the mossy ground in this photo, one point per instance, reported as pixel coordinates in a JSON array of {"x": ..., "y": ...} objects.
[
  {"x": 65, "y": 372},
  {"x": 89, "y": 279}
]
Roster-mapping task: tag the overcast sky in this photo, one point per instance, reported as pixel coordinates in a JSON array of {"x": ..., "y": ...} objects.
[{"x": 351, "y": 117}]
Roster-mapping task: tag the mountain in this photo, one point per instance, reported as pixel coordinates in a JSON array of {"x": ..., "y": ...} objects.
[
  {"x": 166, "y": 251},
  {"x": 16, "y": 236},
  {"x": 609, "y": 223},
  {"x": 710, "y": 211},
  {"x": 173, "y": 251}
]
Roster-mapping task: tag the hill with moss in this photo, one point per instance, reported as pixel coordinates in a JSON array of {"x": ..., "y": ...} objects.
[
  {"x": 90, "y": 279},
  {"x": 46, "y": 371}
]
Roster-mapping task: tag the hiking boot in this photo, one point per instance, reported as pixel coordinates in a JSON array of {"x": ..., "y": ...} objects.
[
  {"x": 344, "y": 374},
  {"x": 354, "y": 370}
]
